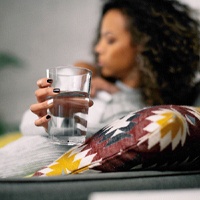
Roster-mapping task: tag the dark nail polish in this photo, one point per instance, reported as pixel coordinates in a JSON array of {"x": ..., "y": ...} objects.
[
  {"x": 48, "y": 117},
  {"x": 49, "y": 80},
  {"x": 56, "y": 90}
]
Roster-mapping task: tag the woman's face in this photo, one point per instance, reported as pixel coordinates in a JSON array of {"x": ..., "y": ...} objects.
[{"x": 115, "y": 52}]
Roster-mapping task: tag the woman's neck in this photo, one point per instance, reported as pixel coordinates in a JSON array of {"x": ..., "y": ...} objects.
[{"x": 132, "y": 80}]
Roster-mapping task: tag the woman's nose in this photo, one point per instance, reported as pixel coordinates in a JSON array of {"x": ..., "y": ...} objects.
[{"x": 98, "y": 48}]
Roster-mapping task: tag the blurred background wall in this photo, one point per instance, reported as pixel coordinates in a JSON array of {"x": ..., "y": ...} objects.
[{"x": 38, "y": 34}]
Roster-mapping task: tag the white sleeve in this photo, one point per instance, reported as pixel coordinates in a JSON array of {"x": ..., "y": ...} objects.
[{"x": 27, "y": 126}]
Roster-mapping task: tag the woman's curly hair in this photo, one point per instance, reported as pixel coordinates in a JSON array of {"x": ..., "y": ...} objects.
[{"x": 170, "y": 36}]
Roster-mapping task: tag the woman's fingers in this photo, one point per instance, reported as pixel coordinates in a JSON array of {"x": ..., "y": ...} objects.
[
  {"x": 40, "y": 109},
  {"x": 44, "y": 82},
  {"x": 43, "y": 121},
  {"x": 44, "y": 89},
  {"x": 42, "y": 93}
]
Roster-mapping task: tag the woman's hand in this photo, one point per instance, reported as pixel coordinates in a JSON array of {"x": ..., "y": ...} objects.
[{"x": 40, "y": 108}]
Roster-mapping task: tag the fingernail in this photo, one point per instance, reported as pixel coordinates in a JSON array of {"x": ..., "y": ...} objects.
[
  {"x": 56, "y": 90},
  {"x": 50, "y": 101},
  {"x": 49, "y": 80},
  {"x": 48, "y": 117}
]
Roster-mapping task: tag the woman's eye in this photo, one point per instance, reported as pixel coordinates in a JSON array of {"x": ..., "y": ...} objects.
[{"x": 110, "y": 41}]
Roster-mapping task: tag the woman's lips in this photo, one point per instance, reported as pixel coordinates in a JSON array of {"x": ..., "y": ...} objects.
[{"x": 100, "y": 64}]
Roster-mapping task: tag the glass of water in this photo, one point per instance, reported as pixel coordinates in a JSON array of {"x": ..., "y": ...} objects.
[{"x": 68, "y": 124}]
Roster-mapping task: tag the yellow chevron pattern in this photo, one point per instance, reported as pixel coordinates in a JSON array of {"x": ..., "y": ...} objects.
[
  {"x": 72, "y": 162},
  {"x": 167, "y": 126}
]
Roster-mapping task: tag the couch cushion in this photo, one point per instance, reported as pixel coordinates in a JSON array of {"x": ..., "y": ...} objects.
[{"x": 161, "y": 137}]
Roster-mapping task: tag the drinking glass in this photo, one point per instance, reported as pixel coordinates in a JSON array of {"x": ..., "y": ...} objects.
[{"x": 68, "y": 124}]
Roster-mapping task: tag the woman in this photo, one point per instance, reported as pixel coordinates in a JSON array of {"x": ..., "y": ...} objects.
[{"x": 151, "y": 51}]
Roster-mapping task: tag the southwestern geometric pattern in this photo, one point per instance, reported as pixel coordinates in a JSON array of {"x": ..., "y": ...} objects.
[{"x": 163, "y": 137}]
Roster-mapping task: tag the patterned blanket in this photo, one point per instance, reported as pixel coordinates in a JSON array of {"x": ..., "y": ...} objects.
[{"x": 161, "y": 137}]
